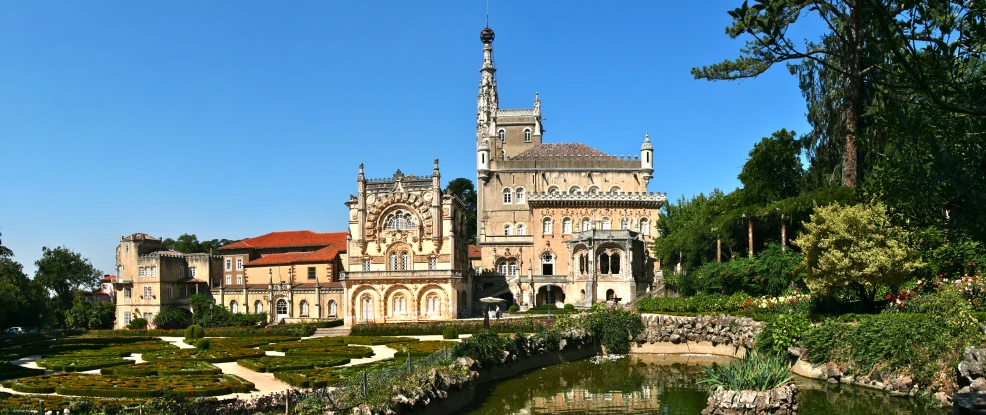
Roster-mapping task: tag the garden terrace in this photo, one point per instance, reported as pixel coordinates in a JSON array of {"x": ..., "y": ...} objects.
[
  {"x": 211, "y": 356},
  {"x": 81, "y": 363},
  {"x": 131, "y": 386},
  {"x": 270, "y": 364},
  {"x": 526, "y": 325},
  {"x": 164, "y": 368}
]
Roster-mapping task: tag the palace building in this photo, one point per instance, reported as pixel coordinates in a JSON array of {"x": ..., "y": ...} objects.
[{"x": 557, "y": 223}]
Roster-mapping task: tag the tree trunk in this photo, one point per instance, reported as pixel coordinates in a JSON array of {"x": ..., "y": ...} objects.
[{"x": 851, "y": 101}]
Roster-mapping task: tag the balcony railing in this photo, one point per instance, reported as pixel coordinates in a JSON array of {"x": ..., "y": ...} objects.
[
  {"x": 508, "y": 239},
  {"x": 382, "y": 275}
]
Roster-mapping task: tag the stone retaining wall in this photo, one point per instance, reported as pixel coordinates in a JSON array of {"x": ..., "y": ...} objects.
[
  {"x": 712, "y": 334},
  {"x": 779, "y": 401}
]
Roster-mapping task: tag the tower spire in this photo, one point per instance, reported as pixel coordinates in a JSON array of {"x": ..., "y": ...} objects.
[{"x": 487, "y": 102}]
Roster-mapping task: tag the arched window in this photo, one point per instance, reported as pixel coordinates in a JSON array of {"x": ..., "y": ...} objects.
[
  {"x": 594, "y": 190},
  {"x": 399, "y": 220},
  {"x": 507, "y": 267},
  {"x": 233, "y": 307},
  {"x": 547, "y": 264},
  {"x": 586, "y": 224},
  {"x": 433, "y": 304},
  {"x": 521, "y": 229},
  {"x": 507, "y": 229},
  {"x": 394, "y": 262},
  {"x": 566, "y": 226},
  {"x": 615, "y": 189},
  {"x": 527, "y": 135},
  {"x": 304, "y": 308},
  {"x": 258, "y": 307},
  {"x": 333, "y": 308},
  {"x": 405, "y": 261},
  {"x": 610, "y": 295},
  {"x": 604, "y": 263},
  {"x": 645, "y": 227},
  {"x": 625, "y": 223},
  {"x": 607, "y": 224},
  {"x": 547, "y": 226},
  {"x": 614, "y": 263},
  {"x": 583, "y": 263},
  {"x": 367, "y": 307},
  {"x": 502, "y": 136},
  {"x": 507, "y": 196},
  {"x": 553, "y": 190},
  {"x": 282, "y": 307},
  {"x": 519, "y": 196},
  {"x": 400, "y": 304},
  {"x": 575, "y": 190}
]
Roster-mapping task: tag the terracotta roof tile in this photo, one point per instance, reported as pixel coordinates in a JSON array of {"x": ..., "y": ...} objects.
[
  {"x": 571, "y": 150},
  {"x": 108, "y": 278},
  {"x": 326, "y": 254},
  {"x": 291, "y": 238},
  {"x": 475, "y": 252}
]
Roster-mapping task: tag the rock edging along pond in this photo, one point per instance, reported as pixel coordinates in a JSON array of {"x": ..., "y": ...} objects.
[
  {"x": 716, "y": 334},
  {"x": 778, "y": 401}
]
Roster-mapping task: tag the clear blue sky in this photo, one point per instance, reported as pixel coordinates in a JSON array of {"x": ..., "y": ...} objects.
[{"x": 231, "y": 119}]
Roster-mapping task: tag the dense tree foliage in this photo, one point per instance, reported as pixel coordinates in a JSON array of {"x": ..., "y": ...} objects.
[
  {"x": 190, "y": 244},
  {"x": 22, "y": 301},
  {"x": 856, "y": 249},
  {"x": 465, "y": 191},
  {"x": 63, "y": 272},
  {"x": 89, "y": 315},
  {"x": 4, "y": 251}
]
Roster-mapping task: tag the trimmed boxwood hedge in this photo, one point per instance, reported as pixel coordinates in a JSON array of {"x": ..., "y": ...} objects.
[
  {"x": 351, "y": 352},
  {"x": 131, "y": 386},
  {"x": 270, "y": 364},
  {"x": 81, "y": 364},
  {"x": 165, "y": 368},
  {"x": 526, "y": 325},
  {"x": 60, "y": 403},
  {"x": 211, "y": 356},
  {"x": 307, "y": 378},
  {"x": 244, "y": 342},
  {"x": 9, "y": 371},
  {"x": 278, "y": 330}
]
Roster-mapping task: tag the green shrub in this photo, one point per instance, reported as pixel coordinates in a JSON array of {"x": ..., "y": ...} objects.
[
  {"x": 194, "y": 331},
  {"x": 758, "y": 372},
  {"x": 450, "y": 333},
  {"x": 716, "y": 303},
  {"x": 202, "y": 344},
  {"x": 486, "y": 348},
  {"x": 172, "y": 318},
  {"x": 784, "y": 331},
  {"x": 615, "y": 329},
  {"x": 513, "y": 308},
  {"x": 569, "y": 306},
  {"x": 271, "y": 364},
  {"x": 137, "y": 324}
]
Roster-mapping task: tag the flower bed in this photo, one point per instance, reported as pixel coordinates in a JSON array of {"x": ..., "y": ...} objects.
[
  {"x": 270, "y": 364},
  {"x": 351, "y": 352},
  {"x": 81, "y": 363},
  {"x": 9, "y": 371},
  {"x": 164, "y": 368},
  {"x": 131, "y": 386},
  {"x": 526, "y": 325},
  {"x": 211, "y": 356}
]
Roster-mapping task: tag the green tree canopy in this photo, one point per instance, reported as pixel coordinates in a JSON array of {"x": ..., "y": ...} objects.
[
  {"x": 89, "y": 315},
  {"x": 465, "y": 191},
  {"x": 855, "y": 249},
  {"x": 4, "y": 251},
  {"x": 190, "y": 244},
  {"x": 773, "y": 171},
  {"x": 63, "y": 272}
]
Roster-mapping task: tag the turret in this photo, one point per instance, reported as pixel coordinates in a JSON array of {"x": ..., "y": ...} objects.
[
  {"x": 483, "y": 160},
  {"x": 647, "y": 159}
]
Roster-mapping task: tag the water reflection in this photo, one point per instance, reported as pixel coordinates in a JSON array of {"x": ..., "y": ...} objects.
[{"x": 647, "y": 384}]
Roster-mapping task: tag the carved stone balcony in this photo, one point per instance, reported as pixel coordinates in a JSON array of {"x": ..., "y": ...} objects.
[{"x": 389, "y": 275}]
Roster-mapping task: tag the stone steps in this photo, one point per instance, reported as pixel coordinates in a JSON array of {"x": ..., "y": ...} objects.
[{"x": 332, "y": 332}]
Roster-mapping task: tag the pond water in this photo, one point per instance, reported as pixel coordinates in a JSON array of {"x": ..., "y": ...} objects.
[{"x": 647, "y": 384}]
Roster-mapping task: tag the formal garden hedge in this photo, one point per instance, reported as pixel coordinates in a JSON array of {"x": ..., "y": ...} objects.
[
  {"x": 11, "y": 371},
  {"x": 164, "y": 368},
  {"x": 299, "y": 330},
  {"x": 60, "y": 403},
  {"x": 244, "y": 342},
  {"x": 211, "y": 356},
  {"x": 270, "y": 364},
  {"x": 131, "y": 386},
  {"x": 307, "y": 378},
  {"x": 350, "y": 352},
  {"x": 714, "y": 303},
  {"x": 526, "y": 325},
  {"x": 81, "y": 363}
]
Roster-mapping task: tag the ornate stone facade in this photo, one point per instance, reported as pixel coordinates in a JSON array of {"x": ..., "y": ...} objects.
[{"x": 558, "y": 223}]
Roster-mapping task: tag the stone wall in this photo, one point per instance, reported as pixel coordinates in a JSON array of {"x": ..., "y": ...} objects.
[
  {"x": 717, "y": 329},
  {"x": 779, "y": 401}
]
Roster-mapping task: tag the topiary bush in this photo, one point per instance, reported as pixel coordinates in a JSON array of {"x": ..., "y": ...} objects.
[
  {"x": 194, "y": 331},
  {"x": 569, "y": 306},
  {"x": 202, "y": 344},
  {"x": 137, "y": 324},
  {"x": 450, "y": 333},
  {"x": 513, "y": 309}
]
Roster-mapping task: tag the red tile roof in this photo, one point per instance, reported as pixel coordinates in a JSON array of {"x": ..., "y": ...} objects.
[
  {"x": 291, "y": 238},
  {"x": 108, "y": 278},
  {"x": 475, "y": 252},
  {"x": 327, "y": 254},
  {"x": 570, "y": 150}
]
